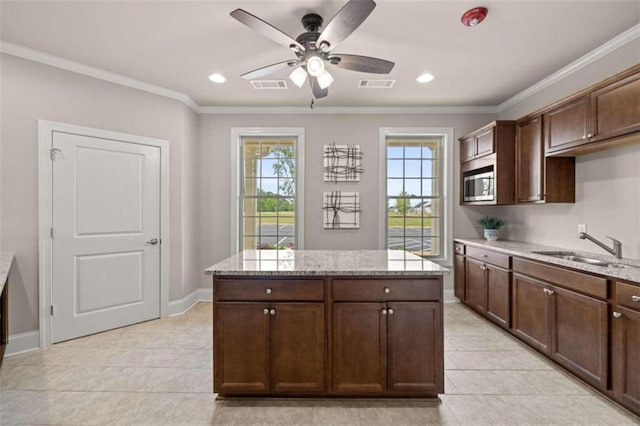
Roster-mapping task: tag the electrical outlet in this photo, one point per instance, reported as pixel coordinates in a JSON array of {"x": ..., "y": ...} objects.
[{"x": 582, "y": 228}]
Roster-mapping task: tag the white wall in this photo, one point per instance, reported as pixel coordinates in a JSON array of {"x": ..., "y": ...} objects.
[
  {"x": 33, "y": 91},
  {"x": 607, "y": 183},
  {"x": 320, "y": 129}
]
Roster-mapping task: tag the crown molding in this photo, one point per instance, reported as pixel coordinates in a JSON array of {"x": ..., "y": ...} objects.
[
  {"x": 597, "y": 53},
  {"x": 77, "y": 67},
  {"x": 349, "y": 110}
]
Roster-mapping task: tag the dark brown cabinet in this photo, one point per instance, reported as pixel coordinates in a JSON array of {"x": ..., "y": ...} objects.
[
  {"x": 386, "y": 348},
  {"x": 625, "y": 345},
  {"x": 568, "y": 124},
  {"x": 615, "y": 108},
  {"x": 488, "y": 283},
  {"x": 531, "y": 312},
  {"x": 477, "y": 144},
  {"x": 262, "y": 348},
  {"x": 541, "y": 179},
  {"x": 459, "y": 277}
]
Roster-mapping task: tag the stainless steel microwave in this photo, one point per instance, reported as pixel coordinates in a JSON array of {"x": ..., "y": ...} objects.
[{"x": 479, "y": 187}]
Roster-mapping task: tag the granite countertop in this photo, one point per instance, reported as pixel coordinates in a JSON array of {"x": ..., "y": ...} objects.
[
  {"x": 326, "y": 262},
  {"x": 526, "y": 250},
  {"x": 6, "y": 260}
]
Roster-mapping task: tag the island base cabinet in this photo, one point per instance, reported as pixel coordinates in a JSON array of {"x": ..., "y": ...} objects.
[
  {"x": 241, "y": 348},
  {"x": 625, "y": 354},
  {"x": 262, "y": 348},
  {"x": 389, "y": 348},
  {"x": 359, "y": 348},
  {"x": 579, "y": 335},
  {"x": 415, "y": 352},
  {"x": 531, "y": 312}
]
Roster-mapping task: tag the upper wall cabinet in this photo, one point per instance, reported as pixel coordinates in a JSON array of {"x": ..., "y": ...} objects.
[
  {"x": 595, "y": 118},
  {"x": 478, "y": 144}
]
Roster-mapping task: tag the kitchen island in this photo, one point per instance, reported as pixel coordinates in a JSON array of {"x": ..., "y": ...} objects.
[{"x": 327, "y": 323}]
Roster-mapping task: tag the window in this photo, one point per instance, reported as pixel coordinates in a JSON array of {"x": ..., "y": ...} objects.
[
  {"x": 267, "y": 198},
  {"x": 415, "y": 187}
]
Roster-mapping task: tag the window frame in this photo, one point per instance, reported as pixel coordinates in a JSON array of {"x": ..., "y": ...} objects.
[
  {"x": 446, "y": 222},
  {"x": 237, "y": 133}
]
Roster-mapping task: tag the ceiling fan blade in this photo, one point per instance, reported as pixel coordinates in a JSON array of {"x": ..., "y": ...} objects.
[
  {"x": 269, "y": 69},
  {"x": 345, "y": 22},
  {"x": 264, "y": 28},
  {"x": 363, "y": 63},
  {"x": 315, "y": 87}
]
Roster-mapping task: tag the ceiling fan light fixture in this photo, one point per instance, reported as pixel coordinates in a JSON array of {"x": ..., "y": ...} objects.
[
  {"x": 325, "y": 79},
  {"x": 217, "y": 78},
  {"x": 315, "y": 66},
  {"x": 425, "y": 78},
  {"x": 298, "y": 76}
]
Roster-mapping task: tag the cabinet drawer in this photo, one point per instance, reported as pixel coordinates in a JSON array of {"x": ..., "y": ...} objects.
[
  {"x": 628, "y": 295},
  {"x": 383, "y": 290},
  {"x": 583, "y": 283},
  {"x": 489, "y": 256},
  {"x": 268, "y": 289},
  {"x": 459, "y": 248}
]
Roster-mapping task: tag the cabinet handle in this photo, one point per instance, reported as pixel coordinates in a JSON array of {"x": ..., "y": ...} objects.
[
  {"x": 272, "y": 312},
  {"x": 549, "y": 292},
  {"x": 589, "y": 135},
  {"x": 617, "y": 314},
  {"x": 384, "y": 311},
  {"x": 266, "y": 311},
  {"x": 483, "y": 267},
  {"x": 387, "y": 290},
  {"x": 584, "y": 136},
  {"x": 269, "y": 291},
  {"x": 635, "y": 298},
  {"x": 483, "y": 255},
  {"x": 390, "y": 311}
]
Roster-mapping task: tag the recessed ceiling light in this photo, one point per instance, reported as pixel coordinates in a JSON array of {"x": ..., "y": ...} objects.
[
  {"x": 424, "y": 78},
  {"x": 217, "y": 78}
]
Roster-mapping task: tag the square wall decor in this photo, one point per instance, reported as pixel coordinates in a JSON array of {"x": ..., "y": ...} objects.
[
  {"x": 341, "y": 210},
  {"x": 342, "y": 163}
]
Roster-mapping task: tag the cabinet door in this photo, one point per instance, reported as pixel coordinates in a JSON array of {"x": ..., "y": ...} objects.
[
  {"x": 476, "y": 286},
  {"x": 616, "y": 108},
  {"x": 467, "y": 149},
  {"x": 529, "y": 161},
  {"x": 579, "y": 335},
  {"x": 241, "y": 348},
  {"x": 567, "y": 125},
  {"x": 359, "y": 348},
  {"x": 530, "y": 316},
  {"x": 498, "y": 295},
  {"x": 297, "y": 347},
  {"x": 484, "y": 143},
  {"x": 625, "y": 357},
  {"x": 415, "y": 350},
  {"x": 459, "y": 277}
]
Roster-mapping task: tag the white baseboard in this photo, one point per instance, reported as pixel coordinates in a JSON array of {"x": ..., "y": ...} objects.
[
  {"x": 23, "y": 342},
  {"x": 180, "y": 306}
]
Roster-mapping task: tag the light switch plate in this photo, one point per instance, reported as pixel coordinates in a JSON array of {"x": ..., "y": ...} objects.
[{"x": 582, "y": 228}]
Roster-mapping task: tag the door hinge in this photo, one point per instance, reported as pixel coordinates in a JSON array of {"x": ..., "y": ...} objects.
[
  {"x": 53, "y": 152},
  {"x": 51, "y": 310}
]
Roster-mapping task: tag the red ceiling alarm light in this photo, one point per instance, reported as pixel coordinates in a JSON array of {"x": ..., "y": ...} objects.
[{"x": 473, "y": 17}]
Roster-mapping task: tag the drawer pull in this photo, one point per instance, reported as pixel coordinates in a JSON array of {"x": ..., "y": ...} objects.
[
  {"x": 589, "y": 135},
  {"x": 387, "y": 290},
  {"x": 483, "y": 267},
  {"x": 617, "y": 314},
  {"x": 266, "y": 311},
  {"x": 549, "y": 292},
  {"x": 272, "y": 312},
  {"x": 390, "y": 311},
  {"x": 269, "y": 291},
  {"x": 384, "y": 312},
  {"x": 483, "y": 255},
  {"x": 635, "y": 298}
]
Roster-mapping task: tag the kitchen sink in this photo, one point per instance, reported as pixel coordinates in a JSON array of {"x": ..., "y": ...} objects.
[{"x": 569, "y": 255}]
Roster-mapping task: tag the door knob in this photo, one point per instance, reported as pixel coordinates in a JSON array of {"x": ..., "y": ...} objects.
[
  {"x": 266, "y": 311},
  {"x": 272, "y": 312},
  {"x": 152, "y": 242},
  {"x": 268, "y": 291},
  {"x": 635, "y": 298},
  {"x": 617, "y": 314},
  {"x": 384, "y": 312},
  {"x": 390, "y": 311},
  {"x": 387, "y": 290}
]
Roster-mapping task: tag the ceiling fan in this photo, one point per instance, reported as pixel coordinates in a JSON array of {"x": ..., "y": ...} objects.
[{"x": 313, "y": 48}]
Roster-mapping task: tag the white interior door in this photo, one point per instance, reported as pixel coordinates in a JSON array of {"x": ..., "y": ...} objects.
[{"x": 106, "y": 232}]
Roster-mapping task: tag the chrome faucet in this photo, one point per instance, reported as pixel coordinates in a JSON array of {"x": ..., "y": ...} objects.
[{"x": 617, "y": 245}]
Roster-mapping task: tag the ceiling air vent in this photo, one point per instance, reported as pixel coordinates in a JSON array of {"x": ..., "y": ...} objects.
[
  {"x": 268, "y": 84},
  {"x": 376, "y": 84}
]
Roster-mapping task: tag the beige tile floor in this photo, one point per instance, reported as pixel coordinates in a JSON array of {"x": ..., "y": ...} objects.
[{"x": 159, "y": 372}]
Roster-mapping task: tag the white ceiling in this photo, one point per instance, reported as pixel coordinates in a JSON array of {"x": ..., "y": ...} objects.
[{"x": 177, "y": 44}]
